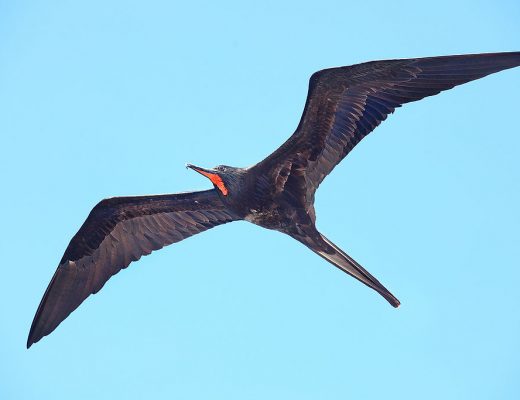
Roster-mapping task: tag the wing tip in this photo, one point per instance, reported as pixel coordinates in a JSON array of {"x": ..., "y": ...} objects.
[
  {"x": 33, "y": 337},
  {"x": 31, "y": 340}
]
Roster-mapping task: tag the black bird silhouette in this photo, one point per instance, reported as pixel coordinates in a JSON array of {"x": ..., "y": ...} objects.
[{"x": 343, "y": 106}]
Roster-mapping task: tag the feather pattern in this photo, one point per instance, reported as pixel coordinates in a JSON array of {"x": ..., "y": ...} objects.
[
  {"x": 117, "y": 232},
  {"x": 347, "y": 103}
]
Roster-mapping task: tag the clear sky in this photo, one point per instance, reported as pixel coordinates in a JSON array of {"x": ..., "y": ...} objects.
[{"x": 100, "y": 99}]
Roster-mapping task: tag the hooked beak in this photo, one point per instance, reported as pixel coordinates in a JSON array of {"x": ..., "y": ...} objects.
[
  {"x": 202, "y": 171},
  {"x": 212, "y": 175}
]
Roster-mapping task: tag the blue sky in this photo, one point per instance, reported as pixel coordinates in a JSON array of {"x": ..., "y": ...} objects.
[{"x": 100, "y": 99}]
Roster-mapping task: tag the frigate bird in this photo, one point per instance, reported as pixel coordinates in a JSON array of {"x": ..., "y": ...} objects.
[{"x": 343, "y": 105}]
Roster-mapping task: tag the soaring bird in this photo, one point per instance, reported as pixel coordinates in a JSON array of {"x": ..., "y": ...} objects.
[{"x": 343, "y": 105}]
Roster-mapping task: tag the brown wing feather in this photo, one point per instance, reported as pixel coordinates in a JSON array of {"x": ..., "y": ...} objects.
[
  {"x": 345, "y": 104},
  {"x": 118, "y": 231}
]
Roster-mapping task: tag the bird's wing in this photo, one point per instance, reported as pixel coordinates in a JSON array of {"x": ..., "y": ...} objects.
[
  {"x": 345, "y": 104},
  {"x": 118, "y": 231}
]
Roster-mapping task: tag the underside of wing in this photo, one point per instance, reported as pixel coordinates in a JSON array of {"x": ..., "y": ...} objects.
[
  {"x": 118, "y": 231},
  {"x": 345, "y": 104}
]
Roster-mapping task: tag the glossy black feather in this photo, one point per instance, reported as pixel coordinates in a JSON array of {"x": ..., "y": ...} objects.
[
  {"x": 118, "y": 231},
  {"x": 343, "y": 106},
  {"x": 347, "y": 103}
]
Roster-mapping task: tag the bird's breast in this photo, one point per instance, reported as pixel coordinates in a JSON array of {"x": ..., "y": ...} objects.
[{"x": 266, "y": 218}]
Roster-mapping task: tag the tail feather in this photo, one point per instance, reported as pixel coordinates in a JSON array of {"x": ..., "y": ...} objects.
[{"x": 343, "y": 261}]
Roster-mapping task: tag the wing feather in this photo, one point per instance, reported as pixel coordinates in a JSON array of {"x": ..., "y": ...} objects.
[
  {"x": 118, "y": 231},
  {"x": 347, "y": 103}
]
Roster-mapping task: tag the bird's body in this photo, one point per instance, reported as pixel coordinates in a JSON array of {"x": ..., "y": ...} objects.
[{"x": 343, "y": 106}]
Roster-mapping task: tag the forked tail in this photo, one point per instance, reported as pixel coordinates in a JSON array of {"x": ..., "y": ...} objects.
[{"x": 347, "y": 264}]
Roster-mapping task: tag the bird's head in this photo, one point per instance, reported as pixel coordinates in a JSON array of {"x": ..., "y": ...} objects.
[{"x": 223, "y": 177}]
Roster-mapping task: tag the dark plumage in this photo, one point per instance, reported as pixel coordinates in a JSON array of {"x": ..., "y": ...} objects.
[{"x": 343, "y": 106}]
